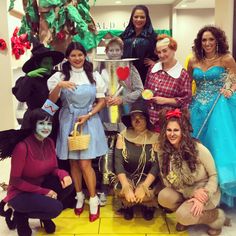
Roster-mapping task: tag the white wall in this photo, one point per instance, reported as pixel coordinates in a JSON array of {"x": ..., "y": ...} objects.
[
  {"x": 225, "y": 21},
  {"x": 13, "y": 23},
  {"x": 118, "y": 17},
  {"x": 188, "y": 23}
]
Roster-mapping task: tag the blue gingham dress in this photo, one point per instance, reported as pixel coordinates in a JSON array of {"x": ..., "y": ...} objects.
[{"x": 74, "y": 104}]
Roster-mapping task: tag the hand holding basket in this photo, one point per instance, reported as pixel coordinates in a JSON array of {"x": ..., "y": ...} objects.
[{"x": 78, "y": 140}]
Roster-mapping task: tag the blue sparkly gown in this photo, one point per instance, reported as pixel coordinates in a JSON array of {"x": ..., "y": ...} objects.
[{"x": 219, "y": 132}]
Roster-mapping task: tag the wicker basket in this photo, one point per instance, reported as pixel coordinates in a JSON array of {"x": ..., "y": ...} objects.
[{"x": 78, "y": 141}]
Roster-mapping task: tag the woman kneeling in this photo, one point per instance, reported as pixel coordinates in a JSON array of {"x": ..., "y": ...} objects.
[
  {"x": 135, "y": 163},
  {"x": 189, "y": 175}
]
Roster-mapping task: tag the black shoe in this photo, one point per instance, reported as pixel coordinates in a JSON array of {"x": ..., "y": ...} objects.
[
  {"x": 11, "y": 223},
  {"x": 179, "y": 227},
  {"x": 49, "y": 226},
  {"x": 22, "y": 224},
  {"x": 148, "y": 212},
  {"x": 128, "y": 213},
  {"x": 165, "y": 210}
]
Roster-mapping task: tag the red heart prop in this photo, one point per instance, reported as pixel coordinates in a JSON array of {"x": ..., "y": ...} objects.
[{"x": 122, "y": 72}]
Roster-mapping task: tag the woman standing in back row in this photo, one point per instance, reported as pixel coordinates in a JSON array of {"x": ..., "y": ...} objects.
[
  {"x": 139, "y": 40},
  {"x": 169, "y": 82}
]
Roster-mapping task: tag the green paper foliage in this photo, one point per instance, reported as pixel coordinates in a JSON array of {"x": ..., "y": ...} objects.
[
  {"x": 51, "y": 19},
  {"x": 50, "y": 3},
  {"x": 88, "y": 41},
  {"x": 11, "y": 6},
  {"x": 81, "y": 25},
  {"x": 85, "y": 3},
  {"x": 25, "y": 27},
  {"x": 84, "y": 12},
  {"x": 32, "y": 12},
  {"x": 61, "y": 19},
  {"x": 61, "y": 13}
]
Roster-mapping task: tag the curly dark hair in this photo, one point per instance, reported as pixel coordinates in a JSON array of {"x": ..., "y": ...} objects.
[
  {"x": 219, "y": 34},
  {"x": 88, "y": 66},
  {"x": 187, "y": 149}
]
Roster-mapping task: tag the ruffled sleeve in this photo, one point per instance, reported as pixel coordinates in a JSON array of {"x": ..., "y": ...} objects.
[
  {"x": 54, "y": 80},
  {"x": 100, "y": 85}
]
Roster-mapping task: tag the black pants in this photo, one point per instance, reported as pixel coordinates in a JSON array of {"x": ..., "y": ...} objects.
[{"x": 39, "y": 206}]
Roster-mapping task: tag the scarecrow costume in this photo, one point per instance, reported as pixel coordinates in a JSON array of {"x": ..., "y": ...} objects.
[{"x": 137, "y": 159}]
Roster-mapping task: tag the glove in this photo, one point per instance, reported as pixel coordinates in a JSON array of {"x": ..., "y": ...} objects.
[{"x": 37, "y": 73}]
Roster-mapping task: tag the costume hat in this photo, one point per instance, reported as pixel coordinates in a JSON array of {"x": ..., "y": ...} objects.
[
  {"x": 50, "y": 107},
  {"x": 140, "y": 106},
  {"x": 38, "y": 53}
]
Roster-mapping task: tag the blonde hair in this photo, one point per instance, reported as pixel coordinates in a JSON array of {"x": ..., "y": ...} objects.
[{"x": 172, "y": 45}]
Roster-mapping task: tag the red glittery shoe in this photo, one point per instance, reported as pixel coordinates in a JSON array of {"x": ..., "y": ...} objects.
[
  {"x": 93, "y": 217},
  {"x": 78, "y": 211}
]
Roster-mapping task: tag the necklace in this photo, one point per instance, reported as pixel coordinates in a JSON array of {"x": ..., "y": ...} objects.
[{"x": 212, "y": 58}]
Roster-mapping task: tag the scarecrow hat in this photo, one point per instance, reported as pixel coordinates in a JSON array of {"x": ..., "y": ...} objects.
[
  {"x": 38, "y": 53},
  {"x": 139, "y": 106}
]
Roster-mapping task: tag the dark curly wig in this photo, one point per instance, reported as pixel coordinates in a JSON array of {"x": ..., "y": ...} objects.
[
  {"x": 187, "y": 150},
  {"x": 220, "y": 37}
]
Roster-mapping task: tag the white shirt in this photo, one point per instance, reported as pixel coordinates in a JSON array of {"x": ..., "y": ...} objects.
[
  {"x": 79, "y": 77},
  {"x": 174, "y": 72}
]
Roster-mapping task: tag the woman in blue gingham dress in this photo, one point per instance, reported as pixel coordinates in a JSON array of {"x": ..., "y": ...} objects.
[{"x": 78, "y": 87}]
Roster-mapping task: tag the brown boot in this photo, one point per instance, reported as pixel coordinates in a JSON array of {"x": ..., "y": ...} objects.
[{"x": 215, "y": 219}]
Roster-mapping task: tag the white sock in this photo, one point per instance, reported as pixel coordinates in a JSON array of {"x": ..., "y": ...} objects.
[
  {"x": 93, "y": 204},
  {"x": 80, "y": 199}
]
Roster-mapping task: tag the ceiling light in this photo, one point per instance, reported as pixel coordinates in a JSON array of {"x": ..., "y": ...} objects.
[
  {"x": 117, "y": 2},
  {"x": 183, "y": 5}
]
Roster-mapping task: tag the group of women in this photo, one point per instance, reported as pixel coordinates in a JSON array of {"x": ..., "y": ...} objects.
[{"x": 156, "y": 155}]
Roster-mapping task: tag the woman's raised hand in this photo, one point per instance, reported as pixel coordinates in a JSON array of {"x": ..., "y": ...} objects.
[
  {"x": 66, "y": 181},
  {"x": 67, "y": 85}
]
